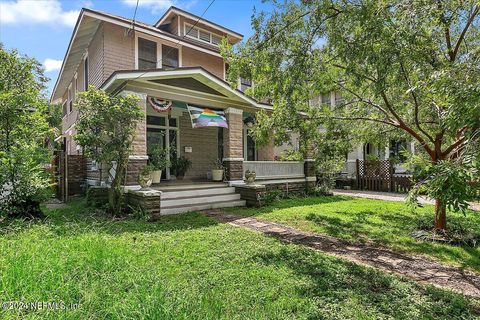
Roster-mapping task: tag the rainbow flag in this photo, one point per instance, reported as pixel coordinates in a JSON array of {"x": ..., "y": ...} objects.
[{"x": 206, "y": 117}]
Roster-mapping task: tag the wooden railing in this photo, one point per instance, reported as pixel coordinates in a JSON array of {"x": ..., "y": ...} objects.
[{"x": 275, "y": 169}]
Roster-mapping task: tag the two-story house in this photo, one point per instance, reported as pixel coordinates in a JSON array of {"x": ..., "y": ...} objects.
[{"x": 172, "y": 66}]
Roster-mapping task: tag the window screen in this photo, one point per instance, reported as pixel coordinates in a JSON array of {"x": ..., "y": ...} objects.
[
  {"x": 147, "y": 54},
  {"x": 169, "y": 57},
  {"x": 205, "y": 36},
  {"x": 216, "y": 40},
  {"x": 85, "y": 74}
]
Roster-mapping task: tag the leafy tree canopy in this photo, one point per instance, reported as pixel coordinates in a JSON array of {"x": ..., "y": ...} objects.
[
  {"x": 23, "y": 130},
  {"x": 406, "y": 68},
  {"x": 106, "y": 129}
]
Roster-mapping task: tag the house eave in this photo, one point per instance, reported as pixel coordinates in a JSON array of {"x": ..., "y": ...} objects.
[
  {"x": 120, "y": 78},
  {"x": 174, "y": 10}
]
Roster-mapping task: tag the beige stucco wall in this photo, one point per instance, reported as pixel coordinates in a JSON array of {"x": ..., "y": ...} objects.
[
  {"x": 204, "y": 143},
  {"x": 195, "y": 58}
]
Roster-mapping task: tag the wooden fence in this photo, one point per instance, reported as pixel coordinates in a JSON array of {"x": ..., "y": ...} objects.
[{"x": 378, "y": 175}]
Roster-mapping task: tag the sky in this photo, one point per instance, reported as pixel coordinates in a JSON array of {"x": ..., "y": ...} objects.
[{"x": 42, "y": 28}]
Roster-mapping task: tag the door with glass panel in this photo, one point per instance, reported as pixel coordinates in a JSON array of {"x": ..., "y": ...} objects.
[{"x": 162, "y": 132}]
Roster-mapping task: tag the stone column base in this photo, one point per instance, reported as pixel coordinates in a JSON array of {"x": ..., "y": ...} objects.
[
  {"x": 252, "y": 194},
  {"x": 309, "y": 168},
  {"x": 146, "y": 200},
  {"x": 233, "y": 169},
  {"x": 134, "y": 167}
]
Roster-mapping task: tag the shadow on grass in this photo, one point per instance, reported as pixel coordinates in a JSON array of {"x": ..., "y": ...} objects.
[
  {"x": 348, "y": 289},
  {"x": 286, "y": 204},
  {"x": 77, "y": 218}
]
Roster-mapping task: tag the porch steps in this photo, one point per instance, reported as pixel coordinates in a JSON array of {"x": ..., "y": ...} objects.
[{"x": 178, "y": 199}]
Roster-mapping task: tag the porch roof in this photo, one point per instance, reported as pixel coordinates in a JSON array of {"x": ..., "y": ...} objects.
[{"x": 193, "y": 82}]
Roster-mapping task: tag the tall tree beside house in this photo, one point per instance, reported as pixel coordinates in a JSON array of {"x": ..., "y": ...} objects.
[
  {"x": 405, "y": 67},
  {"x": 106, "y": 129},
  {"x": 24, "y": 128}
]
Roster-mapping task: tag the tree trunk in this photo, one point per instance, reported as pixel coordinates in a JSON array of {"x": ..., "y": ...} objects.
[
  {"x": 440, "y": 215},
  {"x": 115, "y": 192}
]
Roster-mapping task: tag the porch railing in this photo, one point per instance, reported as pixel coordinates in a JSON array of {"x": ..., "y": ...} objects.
[{"x": 275, "y": 169}]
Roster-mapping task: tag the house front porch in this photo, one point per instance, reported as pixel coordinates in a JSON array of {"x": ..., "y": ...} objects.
[{"x": 167, "y": 98}]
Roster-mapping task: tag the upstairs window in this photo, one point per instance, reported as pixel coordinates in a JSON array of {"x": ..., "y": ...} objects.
[
  {"x": 85, "y": 74},
  {"x": 147, "y": 54},
  {"x": 70, "y": 98},
  {"x": 169, "y": 57},
  {"x": 326, "y": 98},
  {"x": 245, "y": 84},
  {"x": 338, "y": 98},
  {"x": 202, "y": 35}
]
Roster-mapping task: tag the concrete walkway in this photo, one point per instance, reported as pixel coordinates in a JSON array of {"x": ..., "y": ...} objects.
[
  {"x": 390, "y": 196},
  {"x": 417, "y": 268}
]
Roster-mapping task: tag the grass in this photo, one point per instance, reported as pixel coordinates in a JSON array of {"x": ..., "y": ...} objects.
[
  {"x": 384, "y": 222},
  {"x": 190, "y": 267}
]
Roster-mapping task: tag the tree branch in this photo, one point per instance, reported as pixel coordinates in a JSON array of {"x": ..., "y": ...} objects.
[
  {"x": 464, "y": 31},
  {"x": 415, "y": 102}
]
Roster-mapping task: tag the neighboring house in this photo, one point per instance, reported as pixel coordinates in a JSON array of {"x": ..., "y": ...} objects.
[
  {"x": 369, "y": 151},
  {"x": 175, "y": 61}
]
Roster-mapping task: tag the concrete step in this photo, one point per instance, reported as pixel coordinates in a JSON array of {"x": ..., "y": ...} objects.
[
  {"x": 198, "y": 200},
  {"x": 197, "y": 192},
  {"x": 202, "y": 206},
  {"x": 184, "y": 187}
]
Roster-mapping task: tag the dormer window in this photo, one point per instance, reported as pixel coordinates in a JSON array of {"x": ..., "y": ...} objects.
[{"x": 201, "y": 34}]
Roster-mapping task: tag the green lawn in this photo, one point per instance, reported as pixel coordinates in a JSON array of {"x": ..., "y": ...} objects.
[
  {"x": 385, "y": 222},
  {"x": 190, "y": 267}
]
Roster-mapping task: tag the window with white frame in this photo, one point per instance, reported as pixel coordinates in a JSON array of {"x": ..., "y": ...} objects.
[
  {"x": 147, "y": 54},
  {"x": 201, "y": 34}
]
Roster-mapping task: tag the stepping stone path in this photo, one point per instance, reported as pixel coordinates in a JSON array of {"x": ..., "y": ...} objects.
[{"x": 418, "y": 268}]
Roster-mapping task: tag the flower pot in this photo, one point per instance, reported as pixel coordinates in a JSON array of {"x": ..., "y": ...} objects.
[
  {"x": 145, "y": 181},
  {"x": 217, "y": 174},
  {"x": 156, "y": 176}
]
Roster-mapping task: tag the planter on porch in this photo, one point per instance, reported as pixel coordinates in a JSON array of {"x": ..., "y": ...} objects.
[
  {"x": 156, "y": 176},
  {"x": 217, "y": 174}
]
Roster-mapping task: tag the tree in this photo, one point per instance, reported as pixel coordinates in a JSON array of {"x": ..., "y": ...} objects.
[
  {"x": 407, "y": 68},
  {"x": 23, "y": 130},
  {"x": 106, "y": 128}
]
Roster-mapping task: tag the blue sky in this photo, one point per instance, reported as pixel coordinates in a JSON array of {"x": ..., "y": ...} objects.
[{"x": 42, "y": 28}]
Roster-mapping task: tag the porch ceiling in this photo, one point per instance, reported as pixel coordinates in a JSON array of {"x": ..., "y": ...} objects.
[{"x": 194, "y": 85}]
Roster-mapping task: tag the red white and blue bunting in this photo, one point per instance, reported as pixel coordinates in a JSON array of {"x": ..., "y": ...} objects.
[{"x": 159, "y": 105}]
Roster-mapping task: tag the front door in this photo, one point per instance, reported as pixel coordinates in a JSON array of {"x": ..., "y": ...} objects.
[{"x": 162, "y": 131}]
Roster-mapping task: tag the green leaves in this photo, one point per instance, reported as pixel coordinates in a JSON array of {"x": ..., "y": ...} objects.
[
  {"x": 106, "y": 129},
  {"x": 23, "y": 132}
]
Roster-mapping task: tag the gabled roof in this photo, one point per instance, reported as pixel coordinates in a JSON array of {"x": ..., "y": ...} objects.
[
  {"x": 174, "y": 10},
  {"x": 158, "y": 78},
  {"x": 86, "y": 27}
]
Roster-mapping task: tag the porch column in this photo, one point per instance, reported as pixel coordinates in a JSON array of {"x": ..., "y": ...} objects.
[
  {"x": 233, "y": 146},
  {"x": 138, "y": 158},
  {"x": 309, "y": 162}
]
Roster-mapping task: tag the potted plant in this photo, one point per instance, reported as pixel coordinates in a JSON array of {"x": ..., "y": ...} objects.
[
  {"x": 217, "y": 171},
  {"x": 159, "y": 161},
  {"x": 145, "y": 177},
  {"x": 181, "y": 166}
]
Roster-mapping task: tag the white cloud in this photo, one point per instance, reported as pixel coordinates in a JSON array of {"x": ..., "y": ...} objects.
[
  {"x": 154, "y": 5},
  {"x": 52, "y": 64},
  {"x": 39, "y": 11}
]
